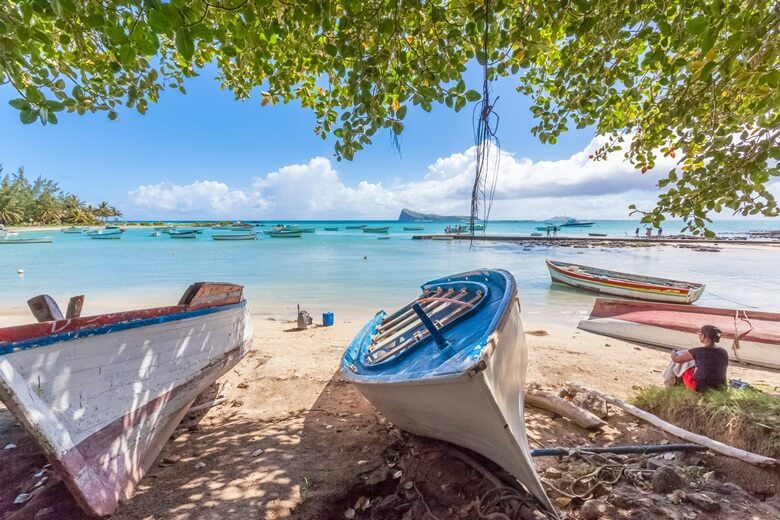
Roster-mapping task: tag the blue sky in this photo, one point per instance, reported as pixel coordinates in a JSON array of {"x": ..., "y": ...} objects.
[{"x": 204, "y": 154}]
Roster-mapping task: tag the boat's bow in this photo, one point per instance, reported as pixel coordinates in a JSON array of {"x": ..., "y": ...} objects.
[{"x": 464, "y": 387}]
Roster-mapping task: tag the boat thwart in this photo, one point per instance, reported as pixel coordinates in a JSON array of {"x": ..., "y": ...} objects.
[
  {"x": 102, "y": 394},
  {"x": 751, "y": 337},
  {"x": 624, "y": 284},
  {"x": 451, "y": 365}
]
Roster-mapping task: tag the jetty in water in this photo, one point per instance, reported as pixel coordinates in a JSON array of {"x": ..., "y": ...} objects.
[{"x": 616, "y": 241}]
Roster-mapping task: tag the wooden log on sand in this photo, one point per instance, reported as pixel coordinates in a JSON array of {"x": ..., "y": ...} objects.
[
  {"x": 719, "y": 447},
  {"x": 562, "y": 407}
]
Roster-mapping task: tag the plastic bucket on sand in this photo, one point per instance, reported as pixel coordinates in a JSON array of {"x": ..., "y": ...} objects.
[{"x": 327, "y": 319}]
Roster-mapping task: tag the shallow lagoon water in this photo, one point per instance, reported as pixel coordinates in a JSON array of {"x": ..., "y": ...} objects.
[{"x": 354, "y": 274}]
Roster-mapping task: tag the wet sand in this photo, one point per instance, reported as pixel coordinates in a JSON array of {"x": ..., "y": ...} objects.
[{"x": 294, "y": 440}]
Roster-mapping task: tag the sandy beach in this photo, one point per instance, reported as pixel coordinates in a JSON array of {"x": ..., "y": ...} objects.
[{"x": 294, "y": 440}]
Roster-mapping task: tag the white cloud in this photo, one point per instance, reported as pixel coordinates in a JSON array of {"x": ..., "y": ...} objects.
[
  {"x": 575, "y": 185},
  {"x": 212, "y": 198}
]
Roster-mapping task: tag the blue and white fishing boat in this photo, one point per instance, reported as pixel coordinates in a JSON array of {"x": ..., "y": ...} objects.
[{"x": 451, "y": 365}]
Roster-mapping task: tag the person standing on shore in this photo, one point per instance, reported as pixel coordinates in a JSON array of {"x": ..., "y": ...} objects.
[
  {"x": 555, "y": 231},
  {"x": 649, "y": 232},
  {"x": 548, "y": 230},
  {"x": 636, "y": 233},
  {"x": 660, "y": 231},
  {"x": 710, "y": 362}
]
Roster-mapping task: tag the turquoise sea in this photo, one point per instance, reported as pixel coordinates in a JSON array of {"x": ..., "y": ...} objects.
[{"x": 354, "y": 273}]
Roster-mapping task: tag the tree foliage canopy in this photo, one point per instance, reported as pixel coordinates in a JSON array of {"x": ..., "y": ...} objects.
[{"x": 697, "y": 80}]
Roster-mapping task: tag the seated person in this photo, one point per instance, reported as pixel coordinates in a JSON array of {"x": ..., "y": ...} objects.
[{"x": 710, "y": 362}]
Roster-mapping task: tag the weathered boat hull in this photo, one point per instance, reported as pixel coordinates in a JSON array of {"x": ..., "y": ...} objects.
[
  {"x": 382, "y": 229},
  {"x": 480, "y": 408},
  {"x": 624, "y": 284},
  {"x": 102, "y": 396},
  {"x": 671, "y": 327}
]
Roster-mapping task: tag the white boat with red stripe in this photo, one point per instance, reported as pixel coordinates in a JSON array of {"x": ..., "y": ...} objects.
[{"x": 102, "y": 394}]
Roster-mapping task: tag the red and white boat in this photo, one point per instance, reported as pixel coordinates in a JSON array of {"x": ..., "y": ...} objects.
[
  {"x": 624, "y": 284},
  {"x": 750, "y": 337},
  {"x": 101, "y": 395}
]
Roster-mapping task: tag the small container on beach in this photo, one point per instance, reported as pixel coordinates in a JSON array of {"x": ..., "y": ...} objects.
[{"x": 327, "y": 319}]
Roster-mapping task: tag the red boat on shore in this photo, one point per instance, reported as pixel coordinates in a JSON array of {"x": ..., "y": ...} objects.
[{"x": 750, "y": 337}]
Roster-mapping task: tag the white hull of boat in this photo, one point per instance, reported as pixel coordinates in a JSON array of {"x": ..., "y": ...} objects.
[
  {"x": 655, "y": 295},
  {"x": 749, "y": 352},
  {"x": 102, "y": 406},
  {"x": 482, "y": 411}
]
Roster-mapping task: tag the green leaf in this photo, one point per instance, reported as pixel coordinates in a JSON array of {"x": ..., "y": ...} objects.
[
  {"x": 696, "y": 25},
  {"x": 19, "y": 104},
  {"x": 473, "y": 95},
  {"x": 54, "y": 106},
  {"x": 401, "y": 113},
  {"x": 185, "y": 44},
  {"x": 28, "y": 116},
  {"x": 398, "y": 127}
]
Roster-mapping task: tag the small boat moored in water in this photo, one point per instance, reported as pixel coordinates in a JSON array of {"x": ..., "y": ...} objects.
[
  {"x": 451, "y": 365},
  {"x": 101, "y": 395},
  {"x": 183, "y": 233},
  {"x": 25, "y": 240},
  {"x": 751, "y": 337},
  {"x": 624, "y": 284},
  {"x": 285, "y": 233},
  {"x": 73, "y": 230},
  {"x": 356, "y": 226},
  {"x": 235, "y": 236},
  {"x": 331, "y": 229},
  {"x": 597, "y": 234},
  {"x": 414, "y": 228},
  {"x": 105, "y": 234},
  {"x": 376, "y": 229}
]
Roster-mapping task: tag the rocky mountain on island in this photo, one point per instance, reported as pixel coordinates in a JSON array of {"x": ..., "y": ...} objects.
[{"x": 408, "y": 215}]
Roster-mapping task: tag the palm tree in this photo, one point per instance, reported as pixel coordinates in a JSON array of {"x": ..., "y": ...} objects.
[
  {"x": 10, "y": 210},
  {"x": 103, "y": 210},
  {"x": 114, "y": 212}
]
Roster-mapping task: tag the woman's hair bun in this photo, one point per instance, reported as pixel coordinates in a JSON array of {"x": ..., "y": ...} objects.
[{"x": 711, "y": 332}]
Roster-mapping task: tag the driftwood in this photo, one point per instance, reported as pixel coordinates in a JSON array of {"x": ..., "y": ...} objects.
[
  {"x": 562, "y": 407},
  {"x": 719, "y": 447}
]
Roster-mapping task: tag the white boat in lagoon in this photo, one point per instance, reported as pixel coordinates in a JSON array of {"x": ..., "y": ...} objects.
[
  {"x": 234, "y": 236},
  {"x": 73, "y": 230},
  {"x": 750, "y": 337},
  {"x": 628, "y": 285},
  {"x": 101, "y": 395},
  {"x": 451, "y": 365}
]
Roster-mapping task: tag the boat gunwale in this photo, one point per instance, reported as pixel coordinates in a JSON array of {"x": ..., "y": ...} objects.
[
  {"x": 692, "y": 287},
  {"x": 9, "y": 347}
]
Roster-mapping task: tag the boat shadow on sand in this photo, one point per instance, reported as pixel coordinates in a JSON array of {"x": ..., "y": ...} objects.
[{"x": 310, "y": 464}]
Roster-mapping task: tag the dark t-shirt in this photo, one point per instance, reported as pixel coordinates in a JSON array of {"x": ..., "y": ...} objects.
[{"x": 711, "y": 364}]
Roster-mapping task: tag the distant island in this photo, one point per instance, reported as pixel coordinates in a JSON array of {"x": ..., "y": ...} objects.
[{"x": 408, "y": 215}]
